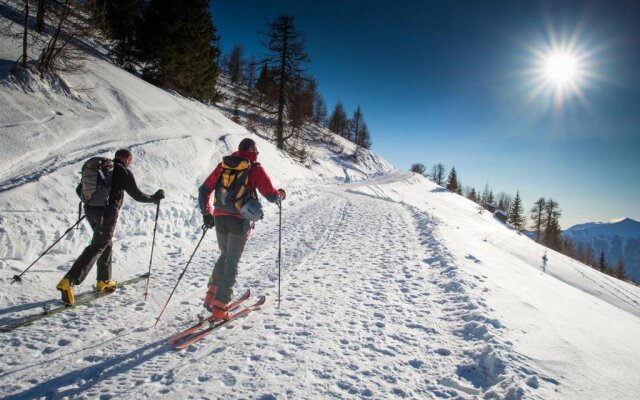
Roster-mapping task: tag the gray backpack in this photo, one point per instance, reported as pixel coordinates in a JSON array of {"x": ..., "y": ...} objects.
[{"x": 96, "y": 181}]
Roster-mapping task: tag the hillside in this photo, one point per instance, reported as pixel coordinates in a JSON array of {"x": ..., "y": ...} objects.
[
  {"x": 392, "y": 286},
  {"x": 616, "y": 239}
]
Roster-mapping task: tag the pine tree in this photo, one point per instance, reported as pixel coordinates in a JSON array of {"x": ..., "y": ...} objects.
[
  {"x": 355, "y": 126},
  {"x": 552, "y": 231},
  {"x": 178, "y": 42},
  {"x": 286, "y": 56},
  {"x": 620, "y": 271},
  {"x": 266, "y": 86},
  {"x": 602, "y": 263},
  {"x": 364, "y": 140},
  {"x": 120, "y": 19},
  {"x": 472, "y": 195},
  {"x": 452, "y": 181},
  {"x": 338, "y": 121},
  {"x": 516, "y": 213},
  {"x": 537, "y": 218}
]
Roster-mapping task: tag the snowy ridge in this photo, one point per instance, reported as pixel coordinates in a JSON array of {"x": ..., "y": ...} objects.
[
  {"x": 616, "y": 239},
  {"x": 392, "y": 287}
]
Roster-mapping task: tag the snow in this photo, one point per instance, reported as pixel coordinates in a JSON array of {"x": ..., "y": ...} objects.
[
  {"x": 392, "y": 286},
  {"x": 626, "y": 228},
  {"x": 616, "y": 239}
]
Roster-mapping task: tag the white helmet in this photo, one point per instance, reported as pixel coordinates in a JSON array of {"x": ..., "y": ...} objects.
[{"x": 252, "y": 210}]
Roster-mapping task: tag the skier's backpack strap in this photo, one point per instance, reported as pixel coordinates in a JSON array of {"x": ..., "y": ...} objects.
[{"x": 95, "y": 182}]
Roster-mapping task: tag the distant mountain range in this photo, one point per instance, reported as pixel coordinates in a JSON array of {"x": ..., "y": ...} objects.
[{"x": 617, "y": 239}]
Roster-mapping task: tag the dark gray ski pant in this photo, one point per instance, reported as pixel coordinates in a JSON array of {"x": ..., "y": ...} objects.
[
  {"x": 103, "y": 225},
  {"x": 231, "y": 233}
]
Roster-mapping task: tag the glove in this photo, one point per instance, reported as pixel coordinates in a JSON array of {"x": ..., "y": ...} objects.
[
  {"x": 157, "y": 196},
  {"x": 282, "y": 193},
  {"x": 209, "y": 221}
]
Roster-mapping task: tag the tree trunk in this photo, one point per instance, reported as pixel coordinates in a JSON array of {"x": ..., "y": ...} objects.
[
  {"x": 42, "y": 4},
  {"x": 26, "y": 31},
  {"x": 283, "y": 77},
  {"x": 48, "y": 57}
]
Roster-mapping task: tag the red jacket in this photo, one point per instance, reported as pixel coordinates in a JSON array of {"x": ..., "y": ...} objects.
[{"x": 258, "y": 179}]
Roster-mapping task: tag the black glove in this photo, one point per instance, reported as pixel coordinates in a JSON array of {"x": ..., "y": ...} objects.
[
  {"x": 157, "y": 196},
  {"x": 282, "y": 193},
  {"x": 209, "y": 221}
]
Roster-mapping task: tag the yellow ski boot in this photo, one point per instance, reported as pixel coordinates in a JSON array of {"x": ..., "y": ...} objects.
[
  {"x": 106, "y": 286},
  {"x": 66, "y": 288}
]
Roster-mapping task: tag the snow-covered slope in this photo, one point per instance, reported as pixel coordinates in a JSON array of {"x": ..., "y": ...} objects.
[
  {"x": 392, "y": 287},
  {"x": 617, "y": 239}
]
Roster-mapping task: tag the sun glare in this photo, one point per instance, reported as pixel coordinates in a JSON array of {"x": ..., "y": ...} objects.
[
  {"x": 560, "y": 71},
  {"x": 561, "y": 68}
]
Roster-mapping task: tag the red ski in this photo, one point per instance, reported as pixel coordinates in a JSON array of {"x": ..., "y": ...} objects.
[
  {"x": 207, "y": 321},
  {"x": 213, "y": 325}
]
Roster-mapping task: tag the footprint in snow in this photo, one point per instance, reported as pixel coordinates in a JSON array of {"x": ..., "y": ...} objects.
[
  {"x": 443, "y": 352},
  {"x": 229, "y": 380},
  {"x": 472, "y": 258}
]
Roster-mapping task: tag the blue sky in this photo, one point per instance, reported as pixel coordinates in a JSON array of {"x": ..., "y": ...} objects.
[{"x": 452, "y": 82}]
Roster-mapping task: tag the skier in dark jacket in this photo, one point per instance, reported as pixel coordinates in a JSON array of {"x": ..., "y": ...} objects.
[
  {"x": 103, "y": 223},
  {"x": 232, "y": 228}
]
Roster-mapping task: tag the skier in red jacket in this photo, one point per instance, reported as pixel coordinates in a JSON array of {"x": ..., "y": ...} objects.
[{"x": 234, "y": 182}]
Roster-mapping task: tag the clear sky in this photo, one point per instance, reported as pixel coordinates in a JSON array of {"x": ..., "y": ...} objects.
[{"x": 461, "y": 83}]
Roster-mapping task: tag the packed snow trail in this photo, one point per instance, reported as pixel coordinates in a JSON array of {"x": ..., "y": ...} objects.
[{"x": 372, "y": 307}]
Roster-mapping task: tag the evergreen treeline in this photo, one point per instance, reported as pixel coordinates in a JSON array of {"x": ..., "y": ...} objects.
[
  {"x": 280, "y": 92},
  {"x": 174, "y": 42},
  {"x": 174, "y": 45},
  {"x": 353, "y": 129},
  {"x": 543, "y": 219}
]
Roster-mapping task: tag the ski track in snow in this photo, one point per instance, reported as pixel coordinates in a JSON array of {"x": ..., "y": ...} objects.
[
  {"x": 395, "y": 321},
  {"x": 58, "y": 162}
]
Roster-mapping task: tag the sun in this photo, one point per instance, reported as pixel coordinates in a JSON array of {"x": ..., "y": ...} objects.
[
  {"x": 561, "y": 68},
  {"x": 560, "y": 71}
]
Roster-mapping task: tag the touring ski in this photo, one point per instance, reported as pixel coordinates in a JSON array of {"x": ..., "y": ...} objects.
[
  {"x": 81, "y": 299},
  {"x": 218, "y": 324},
  {"x": 207, "y": 321}
]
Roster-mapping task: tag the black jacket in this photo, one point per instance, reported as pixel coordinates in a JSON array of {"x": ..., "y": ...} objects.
[{"x": 122, "y": 180}]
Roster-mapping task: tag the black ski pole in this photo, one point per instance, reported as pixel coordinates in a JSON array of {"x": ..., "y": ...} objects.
[
  {"x": 79, "y": 211},
  {"x": 204, "y": 231},
  {"x": 279, "y": 247},
  {"x": 153, "y": 243},
  {"x": 18, "y": 278}
]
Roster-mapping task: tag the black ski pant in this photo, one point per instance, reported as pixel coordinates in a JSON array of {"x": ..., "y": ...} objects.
[
  {"x": 231, "y": 233},
  {"x": 103, "y": 222}
]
